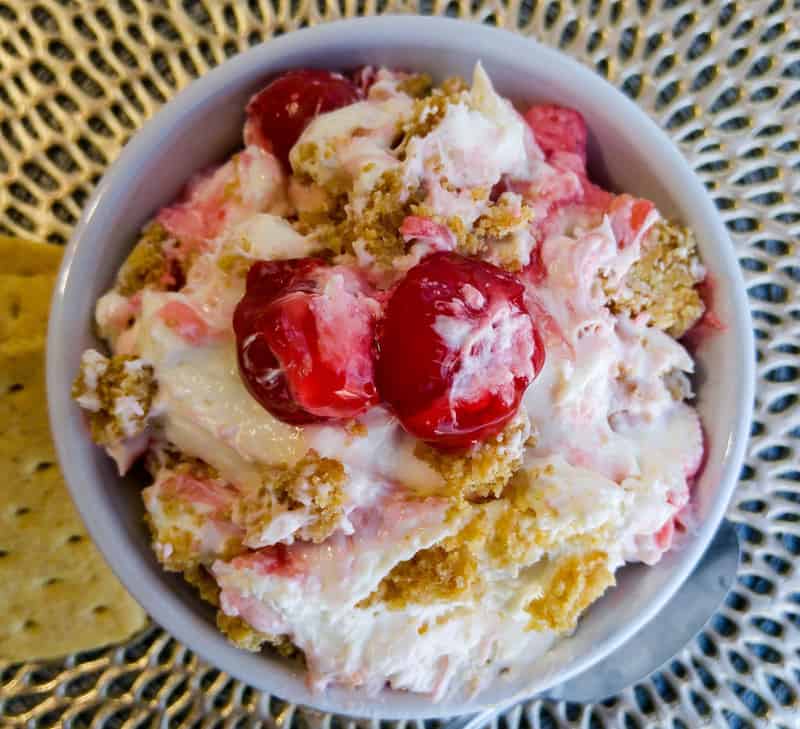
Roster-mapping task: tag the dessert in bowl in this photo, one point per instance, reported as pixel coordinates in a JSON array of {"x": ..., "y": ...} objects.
[{"x": 405, "y": 376}]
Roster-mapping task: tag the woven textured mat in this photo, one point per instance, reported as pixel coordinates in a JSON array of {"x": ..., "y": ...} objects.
[{"x": 76, "y": 80}]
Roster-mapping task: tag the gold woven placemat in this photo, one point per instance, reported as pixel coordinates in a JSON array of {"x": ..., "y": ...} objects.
[{"x": 723, "y": 78}]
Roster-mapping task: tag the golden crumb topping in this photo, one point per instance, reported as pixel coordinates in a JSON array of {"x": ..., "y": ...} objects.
[
  {"x": 199, "y": 578},
  {"x": 375, "y": 228},
  {"x": 146, "y": 266},
  {"x": 372, "y": 227},
  {"x": 177, "y": 521},
  {"x": 189, "y": 466},
  {"x": 314, "y": 485},
  {"x": 563, "y": 585},
  {"x": 240, "y": 633},
  {"x": 234, "y": 264},
  {"x": 513, "y": 537},
  {"x": 177, "y": 548},
  {"x": 521, "y": 527},
  {"x": 416, "y": 85},
  {"x": 116, "y": 393},
  {"x": 494, "y": 231},
  {"x": 244, "y": 636},
  {"x": 663, "y": 282},
  {"x": 508, "y": 215},
  {"x": 431, "y": 109},
  {"x": 444, "y": 572},
  {"x": 569, "y": 585},
  {"x": 483, "y": 471}
]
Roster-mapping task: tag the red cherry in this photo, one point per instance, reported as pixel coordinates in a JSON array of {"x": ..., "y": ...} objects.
[
  {"x": 457, "y": 349},
  {"x": 305, "y": 339},
  {"x": 278, "y": 114},
  {"x": 558, "y": 129}
]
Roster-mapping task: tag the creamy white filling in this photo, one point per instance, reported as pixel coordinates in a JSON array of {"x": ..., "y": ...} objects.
[
  {"x": 312, "y": 592},
  {"x": 384, "y": 453},
  {"x": 264, "y": 236},
  {"x": 351, "y": 146},
  {"x": 618, "y": 447},
  {"x": 202, "y": 401}
]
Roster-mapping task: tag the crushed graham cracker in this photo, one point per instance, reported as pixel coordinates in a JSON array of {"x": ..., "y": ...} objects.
[
  {"x": 570, "y": 584},
  {"x": 176, "y": 521},
  {"x": 146, "y": 266},
  {"x": 199, "y": 578},
  {"x": 483, "y": 471},
  {"x": 375, "y": 228},
  {"x": 492, "y": 234},
  {"x": 663, "y": 282},
  {"x": 429, "y": 110},
  {"x": 178, "y": 549},
  {"x": 441, "y": 573},
  {"x": 521, "y": 528},
  {"x": 416, "y": 85},
  {"x": 240, "y": 633},
  {"x": 116, "y": 393},
  {"x": 372, "y": 230},
  {"x": 244, "y": 636},
  {"x": 314, "y": 485}
]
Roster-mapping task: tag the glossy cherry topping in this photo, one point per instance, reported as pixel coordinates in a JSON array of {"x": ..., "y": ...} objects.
[
  {"x": 278, "y": 114},
  {"x": 305, "y": 335},
  {"x": 457, "y": 349}
]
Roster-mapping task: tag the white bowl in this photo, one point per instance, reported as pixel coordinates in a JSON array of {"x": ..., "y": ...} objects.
[{"x": 201, "y": 126}]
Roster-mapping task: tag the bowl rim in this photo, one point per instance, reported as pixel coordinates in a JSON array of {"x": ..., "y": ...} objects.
[{"x": 128, "y": 566}]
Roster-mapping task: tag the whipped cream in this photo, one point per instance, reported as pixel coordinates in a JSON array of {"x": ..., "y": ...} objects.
[{"x": 606, "y": 465}]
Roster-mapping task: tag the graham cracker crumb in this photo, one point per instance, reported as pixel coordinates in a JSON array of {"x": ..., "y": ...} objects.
[
  {"x": 431, "y": 109},
  {"x": 355, "y": 429},
  {"x": 116, "y": 393},
  {"x": 146, "y": 266},
  {"x": 443, "y": 572},
  {"x": 663, "y": 282},
  {"x": 375, "y": 228},
  {"x": 240, "y": 633},
  {"x": 518, "y": 534},
  {"x": 244, "y": 636},
  {"x": 416, "y": 85},
  {"x": 234, "y": 264},
  {"x": 199, "y": 578},
  {"x": 571, "y": 584},
  {"x": 506, "y": 216},
  {"x": 308, "y": 162},
  {"x": 314, "y": 485},
  {"x": 178, "y": 549},
  {"x": 483, "y": 472},
  {"x": 494, "y": 230},
  {"x": 175, "y": 520},
  {"x": 513, "y": 537}
]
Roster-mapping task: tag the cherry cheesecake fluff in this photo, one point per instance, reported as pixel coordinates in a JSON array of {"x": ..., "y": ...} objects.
[{"x": 408, "y": 385}]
